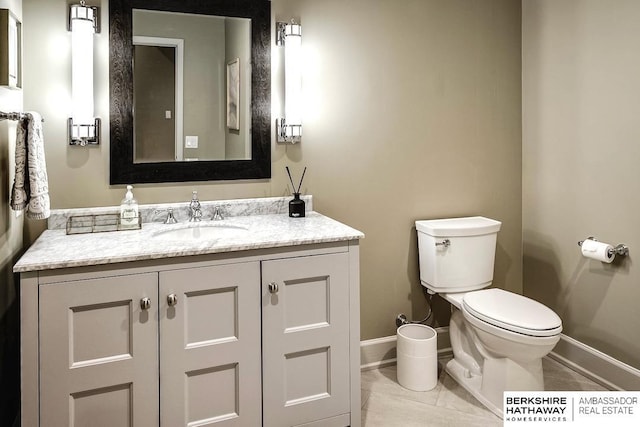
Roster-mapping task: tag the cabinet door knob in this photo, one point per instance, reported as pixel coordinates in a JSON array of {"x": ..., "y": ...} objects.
[
  {"x": 145, "y": 303},
  {"x": 273, "y": 287},
  {"x": 172, "y": 300}
]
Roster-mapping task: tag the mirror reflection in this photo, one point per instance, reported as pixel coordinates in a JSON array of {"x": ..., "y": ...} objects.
[{"x": 192, "y": 87}]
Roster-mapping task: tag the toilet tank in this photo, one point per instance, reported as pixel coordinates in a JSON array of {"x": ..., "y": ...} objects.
[{"x": 457, "y": 254}]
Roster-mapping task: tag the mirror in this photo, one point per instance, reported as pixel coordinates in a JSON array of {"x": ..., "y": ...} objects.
[{"x": 224, "y": 130}]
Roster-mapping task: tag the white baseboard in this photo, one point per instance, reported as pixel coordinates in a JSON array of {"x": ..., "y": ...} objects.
[
  {"x": 380, "y": 352},
  {"x": 596, "y": 365},
  {"x": 593, "y": 364},
  {"x": 377, "y": 353}
]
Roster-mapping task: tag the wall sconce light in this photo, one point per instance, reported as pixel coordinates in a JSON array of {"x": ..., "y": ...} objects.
[
  {"x": 289, "y": 128},
  {"x": 83, "y": 23}
]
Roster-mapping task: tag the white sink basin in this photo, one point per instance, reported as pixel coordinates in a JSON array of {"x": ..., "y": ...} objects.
[{"x": 200, "y": 231}]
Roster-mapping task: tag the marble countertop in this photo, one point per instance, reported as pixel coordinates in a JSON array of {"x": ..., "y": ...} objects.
[{"x": 55, "y": 249}]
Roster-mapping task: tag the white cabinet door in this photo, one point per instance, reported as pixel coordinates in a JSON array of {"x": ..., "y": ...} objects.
[
  {"x": 305, "y": 339},
  {"x": 99, "y": 352},
  {"x": 210, "y": 346}
]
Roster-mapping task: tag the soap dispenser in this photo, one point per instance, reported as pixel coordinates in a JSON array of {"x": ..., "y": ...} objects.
[{"x": 129, "y": 210}]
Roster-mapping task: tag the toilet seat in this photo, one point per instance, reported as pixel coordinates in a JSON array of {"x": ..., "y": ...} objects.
[{"x": 512, "y": 312}]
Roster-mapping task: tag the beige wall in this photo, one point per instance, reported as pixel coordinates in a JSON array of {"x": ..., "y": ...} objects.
[
  {"x": 581, "y": 62},
  {"x": 10, "y": 250},
  {"x": 11, "y": 246},
  {"x": 413, "y": 112}
]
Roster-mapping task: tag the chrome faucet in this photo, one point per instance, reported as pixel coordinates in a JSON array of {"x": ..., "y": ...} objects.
[{"x": 195, "y": 212}]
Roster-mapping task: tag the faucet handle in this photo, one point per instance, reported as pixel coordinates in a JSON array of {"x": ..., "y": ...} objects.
[
  {"x": 217, "y": 214},
  {"x": 170, "y": 218}
]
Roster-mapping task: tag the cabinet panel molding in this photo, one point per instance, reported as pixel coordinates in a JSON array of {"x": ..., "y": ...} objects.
[
  {"x": 305, "y": 331},
  {"x": 210, "y": 365},
  {"x": 88, "y": 359}
]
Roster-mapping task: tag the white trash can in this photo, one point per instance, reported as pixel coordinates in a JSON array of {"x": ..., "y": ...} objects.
[{"x": 417, "y": 357}]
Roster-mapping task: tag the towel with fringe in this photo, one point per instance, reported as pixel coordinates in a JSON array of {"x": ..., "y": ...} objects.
[{"x": 30, "y": 187}]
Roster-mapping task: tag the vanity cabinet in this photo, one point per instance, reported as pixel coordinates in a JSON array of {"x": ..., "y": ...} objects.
[{"x": 266, "y": 337}]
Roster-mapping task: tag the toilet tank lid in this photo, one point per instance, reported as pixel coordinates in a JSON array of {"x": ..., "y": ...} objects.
[{"x": 452, "y": 227}]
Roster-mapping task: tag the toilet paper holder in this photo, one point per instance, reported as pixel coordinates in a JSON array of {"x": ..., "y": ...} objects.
[{"x": 621, "y": 249}]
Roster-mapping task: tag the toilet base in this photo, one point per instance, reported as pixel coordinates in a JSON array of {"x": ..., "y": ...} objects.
[
  {"x": 501, "y": 374},
  {"x": 471, "y": 383}
]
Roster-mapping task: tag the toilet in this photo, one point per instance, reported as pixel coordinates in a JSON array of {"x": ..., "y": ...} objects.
[{"x": 498, "y": 338}]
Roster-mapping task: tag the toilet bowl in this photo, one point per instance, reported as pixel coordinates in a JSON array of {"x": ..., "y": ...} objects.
[{"x": 498, "y": 338}]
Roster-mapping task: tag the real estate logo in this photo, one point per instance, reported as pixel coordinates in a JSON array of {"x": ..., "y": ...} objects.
[{"x": 571, "y": 408}]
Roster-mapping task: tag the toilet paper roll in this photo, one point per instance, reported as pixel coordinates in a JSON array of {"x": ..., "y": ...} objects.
[{"x": 598, "y": 250}]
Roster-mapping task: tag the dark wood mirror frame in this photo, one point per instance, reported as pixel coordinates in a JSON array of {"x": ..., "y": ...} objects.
[{"x": 122, "y": 169}]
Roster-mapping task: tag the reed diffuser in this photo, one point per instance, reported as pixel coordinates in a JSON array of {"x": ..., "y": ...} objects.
[{"x": 296, "y": 206}]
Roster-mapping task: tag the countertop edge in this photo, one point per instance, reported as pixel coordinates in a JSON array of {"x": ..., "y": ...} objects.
[
  {"x": 155, "y": 256},
  {"x": 283, "y": 232}
]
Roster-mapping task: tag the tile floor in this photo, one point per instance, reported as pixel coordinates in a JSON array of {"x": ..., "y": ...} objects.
[{"x": 387, "y": 404}]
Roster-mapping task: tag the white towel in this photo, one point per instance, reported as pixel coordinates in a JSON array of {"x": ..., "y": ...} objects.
[{"x": 30, "y": 186}]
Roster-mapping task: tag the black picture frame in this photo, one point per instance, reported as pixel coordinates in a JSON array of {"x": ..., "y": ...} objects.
[{"x": 122, "y": 169}]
